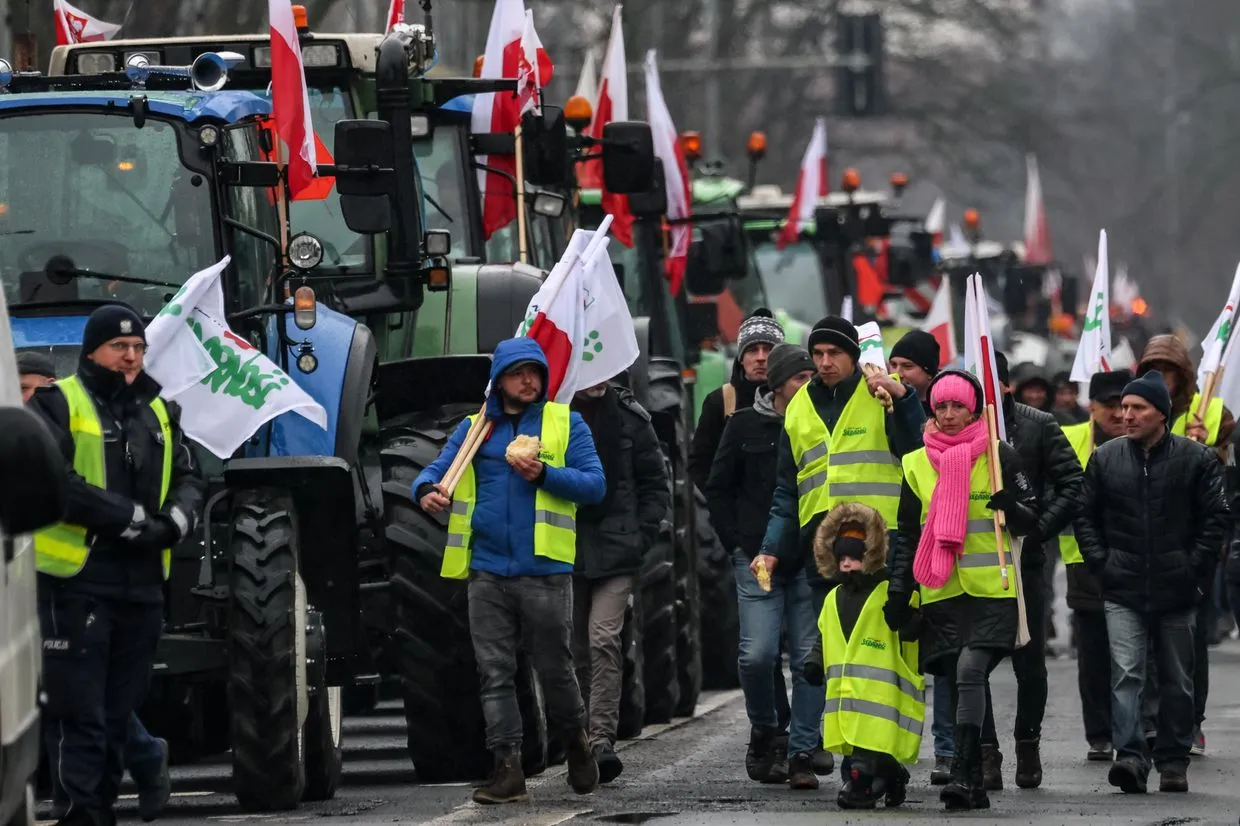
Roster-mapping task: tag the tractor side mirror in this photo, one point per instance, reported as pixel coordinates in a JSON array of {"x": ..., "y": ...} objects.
[
  {"x": 628, "y": 157},
  {"x": 653, "y": 202},
  {"x": 717, "y": 255},
  {"x": 702, "y": 320},
  {"x": 545, "y": 143},
  {"x": 364, "y": 157}
]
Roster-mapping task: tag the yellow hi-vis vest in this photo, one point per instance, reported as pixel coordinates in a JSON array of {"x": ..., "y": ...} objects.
[
  {"x": 876, "y": 699},
  {"x": 1213, "y": 421},
  {"x": 555, "y": 519},
  {"x": 62, "y": 549},
  {"x": 976, "y": 572},
  {"x": 851, "y": 464},
  {"x": 1078, "y": 436}
]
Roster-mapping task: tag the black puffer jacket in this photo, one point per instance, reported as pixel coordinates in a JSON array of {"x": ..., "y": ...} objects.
[
  {"x": 1154, "y": 523},
  {"x": 742, "y": 478},
  {"x": 709, "y": 430},
  {"x": 1053, "y": 470},
  {"x": 613, "y": 535},
  {"x": 1084, "y": 593}
]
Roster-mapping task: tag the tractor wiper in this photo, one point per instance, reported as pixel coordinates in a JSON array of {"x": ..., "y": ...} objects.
[
  {"x": 107, "y": 276},
  {"x": 436, "y": 205}
]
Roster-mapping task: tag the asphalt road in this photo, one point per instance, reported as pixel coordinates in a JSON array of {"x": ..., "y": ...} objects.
[{"x": 692, "y": 772}]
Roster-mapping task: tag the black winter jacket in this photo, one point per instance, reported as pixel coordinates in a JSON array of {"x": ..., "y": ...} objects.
[
  {"x": 1154, "y": 523},
  {"x": 1053, "y": 470},
  {"x": 709, "y": 429},
  {"x": 133, "y": 461},
  {"x": 1084, "y": 593},
  {"x": 613, "y": 535},
  {"x": 742, "y": 478}
]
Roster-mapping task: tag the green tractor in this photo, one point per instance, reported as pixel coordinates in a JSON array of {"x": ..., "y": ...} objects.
[{"x": 431, "y": 359}]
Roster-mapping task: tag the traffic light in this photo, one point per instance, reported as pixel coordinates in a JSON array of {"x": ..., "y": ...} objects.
[{"x": 859, "y": 71}]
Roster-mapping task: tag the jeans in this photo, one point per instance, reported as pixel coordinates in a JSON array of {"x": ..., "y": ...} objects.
[
  {"x": 1093, "y": 675},
  {"x": 763, "y": 615},
  {"x": 1029, "y": 665},
  {"x": 1172, "y": 634},
  {"x": 598, "y": 620},
  {"x": 532, "y": 615},
  {"x": 943, "y": 726}
]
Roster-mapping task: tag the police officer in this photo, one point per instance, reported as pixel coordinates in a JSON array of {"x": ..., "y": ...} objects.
[{"x": 135, "y": 490}]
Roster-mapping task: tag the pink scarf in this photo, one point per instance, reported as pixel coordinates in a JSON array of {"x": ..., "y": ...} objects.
[{"x": 947, "y": 519}]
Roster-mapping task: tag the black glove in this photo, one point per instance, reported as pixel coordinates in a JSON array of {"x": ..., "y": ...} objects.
[
  {"x": 897, "y": 611},
  {"x": 1001, "y": 500},
  {"x": 159, "y": 532},
  {"x": 813, "y": 673}
]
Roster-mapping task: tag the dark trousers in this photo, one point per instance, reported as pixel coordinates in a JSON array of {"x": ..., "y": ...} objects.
[
  {"x": 144, "y": 759},
  {"x": 97, "y": 658},
  {"x": 1029, "y": 664},
  {"x": 1201, "y": 659},
  {"x": 1093, "y": 674},
  {"x": 532, "y": 615}
]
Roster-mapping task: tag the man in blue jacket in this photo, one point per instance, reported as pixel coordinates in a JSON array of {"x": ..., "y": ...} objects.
[{"x": 512, "y": 533}]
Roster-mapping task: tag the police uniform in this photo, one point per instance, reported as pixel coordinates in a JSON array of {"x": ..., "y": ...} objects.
[{"x": 135, "y": 490}]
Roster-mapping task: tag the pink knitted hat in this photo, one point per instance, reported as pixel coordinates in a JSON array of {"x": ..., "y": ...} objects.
[{"x": 952, "y": 388}]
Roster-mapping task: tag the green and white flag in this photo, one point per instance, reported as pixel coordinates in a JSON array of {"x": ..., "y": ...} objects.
[
  {"x": 227, "y": 388},
  {"x": 1093, "y": 353},
  {"x": 870, "y": 340},
  {"x": 1215, "y": 342}
]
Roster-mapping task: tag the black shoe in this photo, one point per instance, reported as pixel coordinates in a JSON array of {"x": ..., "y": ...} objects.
[
  {"x": 1100, "y": 751},
  {"x": 966, "y": 790},
  {"x": 609, "y": 765},
  {"x": 766, "y": 759},
  {"x": 824, "y": 762},
  {"x": 583, "y": 772},
  {"x": 992, "y": 768},
  {"x": 1127, "y": 776},
  {"x": 153, "y": 797},
  {"x": 941, "y": 774},
  {"x": 1028, "y": 764},
  {"x": 1173, "y": 780},
  {"x": 897, "y": 789},
  {"x": 801, "y": 772}
]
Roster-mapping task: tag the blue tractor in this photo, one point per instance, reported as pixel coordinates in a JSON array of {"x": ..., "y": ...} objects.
[{"x": 118, "y": 187}]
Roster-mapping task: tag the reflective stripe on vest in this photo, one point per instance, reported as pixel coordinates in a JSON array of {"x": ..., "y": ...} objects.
[
  {"x": 876, "y": 700},
  {"x": 555, "y": 519},
  {"x": 62, "y": 549},
  {"x": 851, "y": 464},
  {"x": 976, "y": 572},
  {"x": 1214, "y": 418},
  {"x": 1078, "y": 436}
]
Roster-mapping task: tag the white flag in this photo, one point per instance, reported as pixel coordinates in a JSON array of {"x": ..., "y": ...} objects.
[
  {"x": 1093, "y": 353},
  {"x": 1216, "y": 340},
  {"x": 870, "y": 340},
  {"x": 846, "y": 309},
  {"x": 243, "y": 391}
]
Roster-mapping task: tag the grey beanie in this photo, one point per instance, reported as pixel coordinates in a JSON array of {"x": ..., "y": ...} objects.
[
  {"x": 784, "y": 362},
  {"x": 760, "y": 328}
]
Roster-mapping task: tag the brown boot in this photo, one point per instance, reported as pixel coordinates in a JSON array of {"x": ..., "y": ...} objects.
[
  {"x": 992, "y": 768},
  {"x": 582, "y": 769},
  {"x": 507, "y": 782},
  {"x": 1028, "y": 764}
]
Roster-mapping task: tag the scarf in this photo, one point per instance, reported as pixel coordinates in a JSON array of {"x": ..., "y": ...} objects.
[{"x": 947, "y": 519}]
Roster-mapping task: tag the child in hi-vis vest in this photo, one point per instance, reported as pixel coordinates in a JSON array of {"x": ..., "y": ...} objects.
[{"x": 875, "y": 707}]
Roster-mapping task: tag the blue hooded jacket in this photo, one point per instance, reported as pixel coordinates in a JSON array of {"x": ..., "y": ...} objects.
[{"x": 503, "y": 524}]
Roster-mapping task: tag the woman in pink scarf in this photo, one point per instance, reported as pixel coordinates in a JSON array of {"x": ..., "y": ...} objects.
[{"x": 946, "y": 547}]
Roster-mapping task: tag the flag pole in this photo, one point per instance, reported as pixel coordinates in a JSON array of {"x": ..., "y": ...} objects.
[
  {"x": 282, "y": 204},
  {"x": 522, "y": 226}
]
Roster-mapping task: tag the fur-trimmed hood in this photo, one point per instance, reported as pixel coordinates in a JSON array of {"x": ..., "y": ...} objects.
[{"x": 875, "y": 558}]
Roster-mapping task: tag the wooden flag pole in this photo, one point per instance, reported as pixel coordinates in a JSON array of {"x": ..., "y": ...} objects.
[
  {"x": 996, "y": 485},
  {"x": 881, "y": 394},
  {"x": 523, "y": 250}
]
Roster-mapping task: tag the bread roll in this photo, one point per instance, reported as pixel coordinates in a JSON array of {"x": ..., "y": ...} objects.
[{"x": 523, "y": 447}]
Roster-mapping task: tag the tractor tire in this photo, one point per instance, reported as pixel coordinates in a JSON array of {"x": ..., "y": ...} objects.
[
  {"x": 439, "y": 676},
  {"x": 632, "y": 686},
  {"x": 659, "y": 626},
  {"x": 688, "y": 597},
  {"x": 717, "y": 586},
  {"x": 323, "y": 735},
  {"x": 267, "y": 693}
]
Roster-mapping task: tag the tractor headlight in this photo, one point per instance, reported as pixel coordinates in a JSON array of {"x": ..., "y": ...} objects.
[{"x": 305, "y": 252}]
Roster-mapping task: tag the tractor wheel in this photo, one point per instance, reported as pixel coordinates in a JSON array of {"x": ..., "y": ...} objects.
[
  {"x": 439, "y": 677},
  {"x": 717, "y": 585},
  {"x": 659, "y": 630},
  {"x": 323, "y": 731},
  {"x": 632, "y": 687},
  {"x": 267, "y": 692},
  {"x": 688, "y": 598}
]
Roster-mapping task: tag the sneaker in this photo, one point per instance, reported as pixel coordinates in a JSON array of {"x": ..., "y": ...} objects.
[
  {"x": 1127, "y": 777},
  {"x": 1173, "y": 780},
  {"x": 1199, "y": 743},
  {"x": 1100, "y": 751},
  {"x": 941, "y": 774},
  {"x": 801, "y": 772},
  {"x": 609, "y": 765}
]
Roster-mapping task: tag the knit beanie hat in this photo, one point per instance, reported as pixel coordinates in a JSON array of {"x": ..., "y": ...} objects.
[
  {"x": 837, "y": 331},
  {"x": 108, "y": 322},
  {"x": 784, "y": 362},
  {"x": 953, "y": 387},
  {"x": 760, "y": 328},
  {"x": 1105, "y": 387},
  {"x": 1153, "y": 389},
  {"x": 850, "y": 543},
  {"x": 34, "y": 363},
  {"x": 919, "y": 347}
]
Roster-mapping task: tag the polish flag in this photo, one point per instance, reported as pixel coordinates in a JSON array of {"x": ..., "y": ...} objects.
[
  {"x": 979, "y": 348},
  {"x": 936, "y": 222},
  {"x": 76, "y": 26},
  {"x": 811, "y": 185},
  {"x": 1037, "y": 233},
  {"x": 587, "y": 83},
  {"x": 290, "y": 101},
  {"x": 530, "y": 71},
  {"x": 939, "y": 323},
  {"x": 395, "y": 15},
  {"x": 675, "y": 173},
  {"x": 612, "y": 105}
]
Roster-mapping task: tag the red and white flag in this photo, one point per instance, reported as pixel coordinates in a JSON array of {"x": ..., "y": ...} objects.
[
  {"x": 612, "y": 105},
  {"x": 530, "y": 70},
  {"x": 675, "y": 173},
  {"x": 811, "y": 185},
  {"x": 1037, "y": 233},
  {"x": 939, "y": 323},
  {"x": 290, "y": 101},
  {"x": 936, "y": 222},
  {"x": 979, "y": 348},
  {"x": 76, "y": 26},
  {"x": 395, "y": 15},
  {"x": 587, "y": 82}
]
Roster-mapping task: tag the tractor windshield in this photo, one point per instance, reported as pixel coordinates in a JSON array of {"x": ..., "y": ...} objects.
[
  {"x": 85, "y": 196},
  {"x": 442, "y": 168},
  {"x": 792, "y": 279}
]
